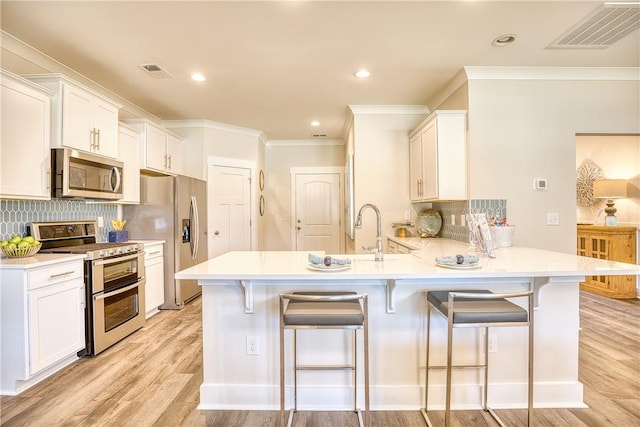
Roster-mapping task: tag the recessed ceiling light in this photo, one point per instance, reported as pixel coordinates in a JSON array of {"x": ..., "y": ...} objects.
[
  {"x": 198, "y": 77},
  {"x": 315, "y": 123},
  {"x": 504, "y": 40},
  {"x": 362, "y": 74}
]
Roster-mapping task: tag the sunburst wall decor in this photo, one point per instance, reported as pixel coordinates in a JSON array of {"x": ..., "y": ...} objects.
[{"x": 586, "y": 173}]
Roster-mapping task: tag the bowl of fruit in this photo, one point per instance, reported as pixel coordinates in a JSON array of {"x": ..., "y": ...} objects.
[{"x": 18, "y": 247}]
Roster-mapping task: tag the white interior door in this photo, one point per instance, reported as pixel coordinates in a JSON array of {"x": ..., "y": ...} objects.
[
  {"x": 317, "y": 212},
  {"x": 230, "y": 209}
]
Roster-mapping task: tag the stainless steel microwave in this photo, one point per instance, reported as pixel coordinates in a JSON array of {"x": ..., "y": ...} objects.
[{"x": 83, "y": 175}]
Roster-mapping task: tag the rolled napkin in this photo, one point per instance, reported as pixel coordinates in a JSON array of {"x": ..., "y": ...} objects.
[
  {"x": 328, "y": 260},
  {"x": 457, "y": 259}
]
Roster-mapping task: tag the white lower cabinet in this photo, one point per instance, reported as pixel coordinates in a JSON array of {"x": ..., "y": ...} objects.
[
  {"x": 43, "y": 321},
  {"x": 154, "y": 272}
]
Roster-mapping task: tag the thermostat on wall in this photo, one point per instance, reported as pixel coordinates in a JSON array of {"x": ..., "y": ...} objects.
[{"x": 540, "y": 184}]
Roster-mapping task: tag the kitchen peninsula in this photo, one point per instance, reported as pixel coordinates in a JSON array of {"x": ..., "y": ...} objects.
[{"x": 240, "y": 301}]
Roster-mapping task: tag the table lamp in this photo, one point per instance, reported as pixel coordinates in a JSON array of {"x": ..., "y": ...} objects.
[{"x": 610, "y": 189}]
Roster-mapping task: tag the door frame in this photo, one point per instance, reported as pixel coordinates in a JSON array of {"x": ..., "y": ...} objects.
[
  {"x": 328, "y": 170},
  {"x": 241, "y": 164}
]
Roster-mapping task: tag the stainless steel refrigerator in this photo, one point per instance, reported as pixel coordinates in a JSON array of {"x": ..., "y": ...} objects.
[{"x": 173, "y": 209}]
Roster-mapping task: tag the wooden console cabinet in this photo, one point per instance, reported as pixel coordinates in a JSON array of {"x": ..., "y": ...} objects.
[{"x": 612, "y": 243}]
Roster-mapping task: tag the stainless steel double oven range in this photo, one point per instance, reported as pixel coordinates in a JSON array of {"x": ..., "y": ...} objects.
[{"x": 114, "y": 280}]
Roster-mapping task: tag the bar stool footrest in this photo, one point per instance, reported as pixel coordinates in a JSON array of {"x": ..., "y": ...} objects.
[{"x": 325, "y": 367}]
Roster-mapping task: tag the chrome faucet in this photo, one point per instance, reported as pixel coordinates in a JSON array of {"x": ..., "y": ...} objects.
[{"x": 378, "y": 249}]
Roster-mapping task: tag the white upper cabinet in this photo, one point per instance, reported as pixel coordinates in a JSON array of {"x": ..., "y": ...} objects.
[
  {"x": 438, "y": 157},
  {"x": 82, "y": 118},
  {"x": 161, "y": 150},
  {"x": 25, "y": 139},
  {"x": 129, "y": 154}
]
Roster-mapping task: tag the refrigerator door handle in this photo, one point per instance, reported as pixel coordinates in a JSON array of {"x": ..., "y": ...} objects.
[{"x": 195, "y": 231}]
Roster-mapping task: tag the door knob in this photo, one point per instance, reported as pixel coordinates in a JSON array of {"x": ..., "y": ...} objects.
[{"x": 216, "y": 232}]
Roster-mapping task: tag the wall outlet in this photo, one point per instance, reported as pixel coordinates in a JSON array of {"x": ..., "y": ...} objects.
[
  {"x": 462, "y": 220},
  {"x": 252, "y": 345},
  {"x": 493, "y": 343},
  {"x": 100, "y": 222},
  {"x": 453, "y": 219},
  {"x": 407, "y": 215},
  {"x": 553, "y": 218}
]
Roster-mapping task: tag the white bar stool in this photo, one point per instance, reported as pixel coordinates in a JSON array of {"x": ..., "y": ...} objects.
[
  {"x": 325, "y": 310},
  {"x": 477, "y": 309}
]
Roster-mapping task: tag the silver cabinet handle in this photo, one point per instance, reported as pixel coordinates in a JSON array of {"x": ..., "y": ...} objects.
[
  {"x": 154, "y": 253},
  {"x": 98, "y": 139},
  {"x": 169, "y": 162},
  {"x": 119, "y": 291},
  {"x": 55, "y": 276}
]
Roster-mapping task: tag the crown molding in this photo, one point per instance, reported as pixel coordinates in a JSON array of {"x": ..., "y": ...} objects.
[
  {"x": 552, "y": 73},
  {"x": 389, "y": 109},
  {"x": 303, "y": 142},
  {"x": 209, "y": 124}
]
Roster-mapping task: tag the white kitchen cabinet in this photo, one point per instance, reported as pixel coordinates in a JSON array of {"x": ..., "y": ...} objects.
[
  {"x": 82, "y": 118},
  {"x": 129, "y": 154},
  {"x": 161, "y": 150},
  {"x": 397, "y": 248},
  {"x": 43, "y": 320},
  {"x": 438, "y": 157},
  {"x": 25, "y": 139},
  {"x": 154, "y": 273}
]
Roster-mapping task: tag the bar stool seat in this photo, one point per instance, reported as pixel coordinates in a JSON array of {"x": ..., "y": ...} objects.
[
  {"x": 477, "y": 308},
  {"x": 324, "y": 310}
]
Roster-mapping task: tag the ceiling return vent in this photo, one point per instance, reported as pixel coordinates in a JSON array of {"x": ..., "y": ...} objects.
[
  {"x": 602, "y": 28},
  {"x": 155, "y": 71}
]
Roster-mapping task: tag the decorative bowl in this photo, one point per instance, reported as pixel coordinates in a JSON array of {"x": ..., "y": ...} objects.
[
  {"x": 20, "y": 252},
  {"x": 428, "y": 223}
]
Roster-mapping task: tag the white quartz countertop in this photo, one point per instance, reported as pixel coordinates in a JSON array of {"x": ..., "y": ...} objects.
[
  {"x": 148, "y": 242},
  {"x": 510, "y": 262},
  {"x": 38, "y": 260}
]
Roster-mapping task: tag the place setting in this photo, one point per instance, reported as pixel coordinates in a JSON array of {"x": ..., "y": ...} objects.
[
  {"x": 458, "y": 262},
  {"x": 328, "y": 263}
]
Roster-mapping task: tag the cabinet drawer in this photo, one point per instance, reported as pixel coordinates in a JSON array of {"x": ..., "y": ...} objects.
[
  {"x": 153, "y": 251},
  {"x": 58, "y": 273},
  {"x": 403, "y": 250}
]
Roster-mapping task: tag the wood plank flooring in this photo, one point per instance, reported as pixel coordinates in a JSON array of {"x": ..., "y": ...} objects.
[{"x": 152, "y": 378}]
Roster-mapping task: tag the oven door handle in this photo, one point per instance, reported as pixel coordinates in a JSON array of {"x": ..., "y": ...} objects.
[
  {"x": 116, "y": 292},
  {"x": 117, "y": 259}
]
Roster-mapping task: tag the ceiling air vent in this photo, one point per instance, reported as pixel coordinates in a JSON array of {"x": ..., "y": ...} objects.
[
  {"x": 318, "y": 135},
  {"x": 602, "y": 28},
  {"x": 155, "y": 71}
]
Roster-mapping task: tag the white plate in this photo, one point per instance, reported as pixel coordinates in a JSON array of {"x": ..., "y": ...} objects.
[
  {"x": 459, "y": 266},
  {"x": 332, "y": 267}
]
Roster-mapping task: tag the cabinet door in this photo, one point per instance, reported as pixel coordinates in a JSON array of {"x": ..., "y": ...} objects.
[
  {"x": 56, "y": 323},
  {"x": 155, "y": 148},
  {"x": 154, "y": 272},
  {"x": 174, "y": 154},
  {"x": 415, "y": 167},
  {"x": 129, "y": 154},
  {"x": 77, "y": 119},
  {"x": 105, "y": 123},
  {"x": 26, "y": 128},
  {"x": 430, "y": 161}
]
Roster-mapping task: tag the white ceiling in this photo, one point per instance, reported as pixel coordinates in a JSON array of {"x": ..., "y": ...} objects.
[{"x": 275, "y": 66}]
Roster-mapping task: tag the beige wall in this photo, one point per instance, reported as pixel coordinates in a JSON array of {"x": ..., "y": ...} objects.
[
  {"x": 381, "y": 170},
  {"x": 525, "y": 129},
  {"x": 619, "y": 158},
  {"x": 279, "y": 159}
]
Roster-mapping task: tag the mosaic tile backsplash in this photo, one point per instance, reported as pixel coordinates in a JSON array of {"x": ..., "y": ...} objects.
[
  {"x": 492, "y": 208},
  {"x": 16, "y": 214}
]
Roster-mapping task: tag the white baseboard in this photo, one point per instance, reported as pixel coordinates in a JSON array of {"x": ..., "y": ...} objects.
[{"x": 389, "y": 398}]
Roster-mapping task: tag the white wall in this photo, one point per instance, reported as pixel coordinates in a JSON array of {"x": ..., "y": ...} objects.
[
  {"x": 280, "y": 157},
  {"x": 526, "y": 128},
  {"x": 381, "y": 167},
  {"x": 619, "y": 158}
]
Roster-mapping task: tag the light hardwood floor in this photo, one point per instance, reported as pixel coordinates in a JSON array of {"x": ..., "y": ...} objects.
[{"x": 152, "y": 378}]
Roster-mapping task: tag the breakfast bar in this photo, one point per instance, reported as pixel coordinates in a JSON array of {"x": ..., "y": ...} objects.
[{"x": 240, "y": 305}]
